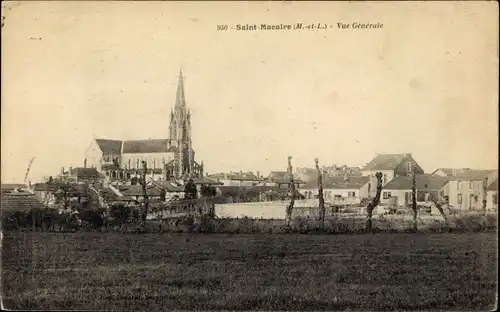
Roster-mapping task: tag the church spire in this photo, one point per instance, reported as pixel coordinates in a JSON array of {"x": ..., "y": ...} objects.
[{"x": 180, "y": 101}]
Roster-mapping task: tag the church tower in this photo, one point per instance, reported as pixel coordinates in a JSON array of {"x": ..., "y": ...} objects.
[{"x": 180, "y": 133}]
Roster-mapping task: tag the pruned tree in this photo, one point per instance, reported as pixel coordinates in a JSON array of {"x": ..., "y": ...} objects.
[
  {"x": 414, "y": 197},
  {"x": 485, "y": 194},
  {"x": 374, "y": 203},
  {"x": 439, "y": 202},
  {"x": 145, "y": 194},
  {"x": 320, "y": 195},
  {"x": 291, "y": 185}
]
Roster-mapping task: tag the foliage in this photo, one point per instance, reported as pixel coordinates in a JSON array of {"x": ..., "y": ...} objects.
[
  {"x": 93, "y": 218},
  {"x": 208, "y": 191},
  {"x": 120, "y": 213},
  {"x": 163, "y": 195},
  {"x": 190, "y": 190}
]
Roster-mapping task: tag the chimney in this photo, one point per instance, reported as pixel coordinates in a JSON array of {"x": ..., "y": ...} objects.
[
  {"x": 62, "y": 170},
  {"x": 70, "y": 170},
  {"x": 258, "y": 174}
]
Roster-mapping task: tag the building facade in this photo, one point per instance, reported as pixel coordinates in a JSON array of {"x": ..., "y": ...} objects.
[
  {"x": 467, "y": 188},
  {"x": 166, "y": 159},
  {"x": 391, "y": 166},
  {"x": 336, "y": 190}
]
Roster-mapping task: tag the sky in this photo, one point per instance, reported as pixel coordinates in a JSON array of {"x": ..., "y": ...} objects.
[{"x": 426, "y": 83}]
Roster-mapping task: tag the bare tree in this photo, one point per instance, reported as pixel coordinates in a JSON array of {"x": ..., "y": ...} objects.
[
  {"x": 485, "y": 194},
  {"x": 289, "y": 208},
  {"x": 145, "y": 194},
  {"x": 414, "y": 197},
  {"x": 320, "y": 196},
  {"x": 64, "y": 194},
  {"x": 374, "y": 203},
  {"x": 439, "y": 202}
]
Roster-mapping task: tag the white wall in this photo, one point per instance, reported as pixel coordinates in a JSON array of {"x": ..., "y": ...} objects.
[
  {"x": 388, "y": 174},
  {"x": 489, "y": 198},
  {"x": 464, "y": 188},
  {"x": 329, "y": 194},
  {"x": 93, "y": 154},
  {"x": 266, "y": 210}
]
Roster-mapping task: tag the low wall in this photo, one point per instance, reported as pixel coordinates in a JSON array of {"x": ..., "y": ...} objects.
[
  {"x": 269, "y": 210},
  {"x": 303, "y": 208}
]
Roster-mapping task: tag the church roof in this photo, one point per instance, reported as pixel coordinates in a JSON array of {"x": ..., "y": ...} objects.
[
  {"x": 180, "y": 100},
  {"x": 109, "y": 146},
  {"x": 146, "y": 146}
]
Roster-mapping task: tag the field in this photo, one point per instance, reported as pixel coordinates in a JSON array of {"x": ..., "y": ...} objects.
[{"x": 96, "y": 271}]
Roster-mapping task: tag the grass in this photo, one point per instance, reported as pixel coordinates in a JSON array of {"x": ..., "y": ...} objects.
[{"x": 96, "y": 271}]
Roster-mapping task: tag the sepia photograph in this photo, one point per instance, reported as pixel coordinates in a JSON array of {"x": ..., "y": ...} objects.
[{"x": 249, "y": 155}]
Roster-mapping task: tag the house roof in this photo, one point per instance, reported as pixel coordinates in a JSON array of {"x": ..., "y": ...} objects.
[
  {"x": 429, "y": 182},
  {"x": 81, "y": 172},
  {"x": 169, "y": 186},
  {"x": 206, "y": 181},
  {"x": 146, "y": 146},
  {"x": 20, "y": 203},
  {"x": 245, "y": 176},
  {"x": 136, "y": 190},
  {"x": 109, "y": 146},
  {"x": 278, "y": 175},
  {"x": 47, "y": 187},
  {"x": 12, "y": 186},
  {"x": 466, "y": 174},
  {"x": 493, "y": 186},
  {"x": 386, "y": 162},
  {"x": 339, "y": 183}
]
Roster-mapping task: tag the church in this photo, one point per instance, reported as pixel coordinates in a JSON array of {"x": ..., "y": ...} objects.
[{"x": 166, "y": 159}]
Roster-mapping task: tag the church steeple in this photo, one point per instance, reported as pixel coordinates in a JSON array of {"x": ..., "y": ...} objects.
[{"x": 180, "y": 100}]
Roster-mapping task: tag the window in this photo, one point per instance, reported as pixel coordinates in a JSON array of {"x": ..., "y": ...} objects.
[
  {"x": 387, "y": 195},
  {"x": 385, "y": 178},
  {"x": 351, "y": 194},
  {"x": 459, "y": 184},
  {"x": 471, "y": 184},
  {"x": 459, "y": 199},
  {"x": 408, "y": 165}
]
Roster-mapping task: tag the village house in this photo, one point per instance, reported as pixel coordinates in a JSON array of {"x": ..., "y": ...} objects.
[
  {"x": 281, "y": 179},
  {"x": 339, "y": 189},
  {"x": 237, "y": 178},
  {"x": 80, "y": 175},
  {"x": 391, "y": 166},
  {"x": 428, "y": 186},
  {"x": 306, "y": 174},
  {"x": 467, "y": 187},
  {"x": 311, "y": 174},
  {"x": 44, "y": 192},
  {"x": 492, "y": 195},
  {"x": 7, "y": 188},
  {"x": 22, "y": 202}
]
